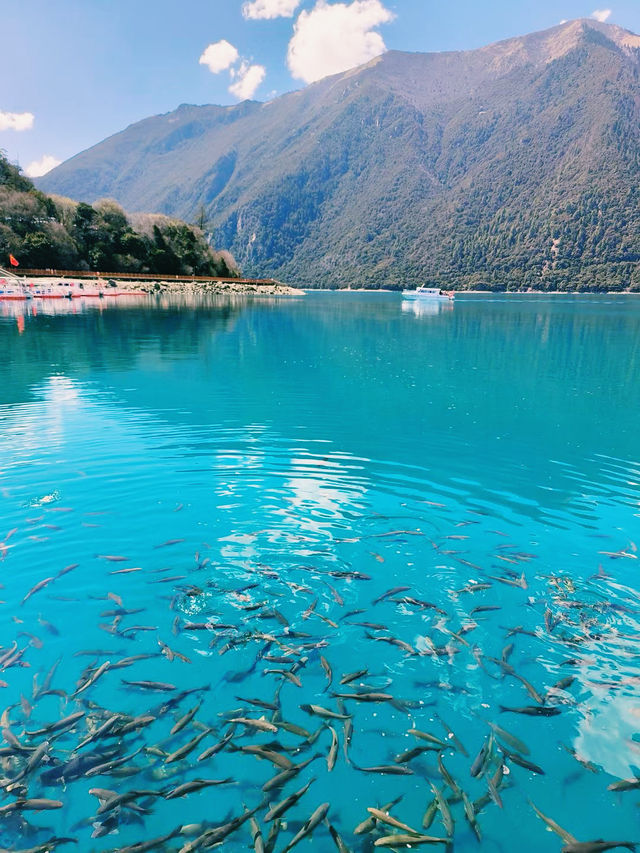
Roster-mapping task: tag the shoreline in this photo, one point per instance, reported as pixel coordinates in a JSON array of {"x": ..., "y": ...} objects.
[
  {"x": 58, "y": 288},
  {"x": 482, "y": 292},
  {"x": 55, "y": 288}
]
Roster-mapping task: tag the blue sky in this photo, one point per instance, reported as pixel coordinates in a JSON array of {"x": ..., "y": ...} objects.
[{"x": 76, "y": 71}]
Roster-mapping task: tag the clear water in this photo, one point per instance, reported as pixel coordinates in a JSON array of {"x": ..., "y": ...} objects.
[{"x": 279, "y": 447}]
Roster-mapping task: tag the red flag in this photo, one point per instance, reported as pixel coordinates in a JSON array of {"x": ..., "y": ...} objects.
[{"x": 13, "y": 261}]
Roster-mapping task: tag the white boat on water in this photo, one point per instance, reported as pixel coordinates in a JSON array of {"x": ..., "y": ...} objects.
[{"x": 428, "y": 293}]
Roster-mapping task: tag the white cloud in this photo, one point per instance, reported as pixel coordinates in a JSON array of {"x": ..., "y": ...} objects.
[
  {"x": 334, "y": 37},
  {"x": 268, "y": 9},
  {"x": 16, "y": 121},
  {"x": 218, "y": 56},
  {"x": 40, "y": 167},
  {"x": 601, "y": 15},
  {"x": 247, "y": 79}
]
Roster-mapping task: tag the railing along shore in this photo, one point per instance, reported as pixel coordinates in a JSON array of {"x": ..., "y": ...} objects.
[{"x": 120, "y": 276}]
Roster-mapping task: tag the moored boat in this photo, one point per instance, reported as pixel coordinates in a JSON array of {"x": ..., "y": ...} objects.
[{"x": 428, "y": 293}]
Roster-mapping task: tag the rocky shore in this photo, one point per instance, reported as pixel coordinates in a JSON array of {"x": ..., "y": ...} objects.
[{"x": 245, "y": 286}]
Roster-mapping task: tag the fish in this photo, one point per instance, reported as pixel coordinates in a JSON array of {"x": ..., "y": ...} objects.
[
  {"x": 40, "y": 585},
  {"x": 347, "y": 735},
  {"x": 452, "y": 736},
  {"x": 429, "y": 813},
  {"x": 194, "y": 785},
  {"x": 531, "y": 690},
  {"x": 383, "y": 817},
  {"x": 510, "y": 739},
  {"x": 60, "y": 725},
  {"x": 484, "y": 608},
  {"x": 272, "y": 837},
  {"x": 268, "y": 706},
  {"x": 187, "y": 748},
  {"x": 32, "y": 804},
  {"x": 117, "y": 800},
  {"x": 337, "y": 838},
  {"x": 483, "y": 757},
  {"x": 448, "y": 778},
  {"x": 518, "y": 629},
  {"x": 326, "y": 713},
  {"x": 39, "y": 755},
  {"x": 286, "y": 775},
  {"x": 285, "y": 673},
  {"x": 105, "y": 728},
  {"x": 269, "y": 754},
  {"x": 309, "y": 825},
  {"x": 533, "y": 710},
  {"x": 307, "y": 613},
  {"x": 436, "y": 741},
  {"x": 418, "y": 602},
  {"x": 349, "y": 575},
  {"x": 47, "y": 847},
  {"x": 564, "y": 835},
  {"x": 136, "y": 723},
  {"x": 48, "y": 626},
  {"x": 588, "y": 765},
  {"x": 474, "y": 587},
  {"x": 562, "y": 685},
  {"x": 394, "y": 591},
  {"x": 76, "y": 767},
  {"x": 597, "y": 846},
  {"x": 522, "y": 762},
  {"x": 261, "y": 724},
  {"x": 625, "y": 785},
  {"x": 280, "y": 808},
  {"x": 333, "y": 750},
  {"x": 92, "y": 679},
  {"x": 128, "y": 661},
  {"x": 292, "y": 728},
  {"x": 66, "y": 570},
  {"x": 443, "y": 807},
  {"x": 492, "y": 785},
  {"x": 371, "y": 696},
  {"x": 400, "y": 840},
  {"x": 394, "y": 641},
  {"x": 470, "y": 815},
  {"x": 256, "y": 835},
  {"x": 217, "y": 747},
  {"x": 327, "y": 669},
  {"x": 336, "y": 595},
  {"x": 353, "y": 676},
  {"x": 158, "y": 686},
  {"x": 389, "y": 769},
  {"x": 108, "y": 766},
  {"x": 149, "y": 844},
  {"x": 369, "y": 823},
  {"x": 410, "y": 754}
]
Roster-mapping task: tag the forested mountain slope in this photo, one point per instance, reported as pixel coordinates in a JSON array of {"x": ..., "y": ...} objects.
[{"x": 516, "y": 165}]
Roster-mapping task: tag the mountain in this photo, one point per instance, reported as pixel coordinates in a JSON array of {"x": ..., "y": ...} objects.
[{"x": 515, "y": 165}]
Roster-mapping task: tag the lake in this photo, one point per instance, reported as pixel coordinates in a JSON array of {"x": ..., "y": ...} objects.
[{"x": 229, "y": 506}]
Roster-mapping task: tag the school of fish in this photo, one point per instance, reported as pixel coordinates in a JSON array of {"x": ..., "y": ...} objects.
[{"x": 250, "y": 695}]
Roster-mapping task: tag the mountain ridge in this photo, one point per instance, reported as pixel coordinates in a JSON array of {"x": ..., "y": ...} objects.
[{"x": 410, "y": 167}]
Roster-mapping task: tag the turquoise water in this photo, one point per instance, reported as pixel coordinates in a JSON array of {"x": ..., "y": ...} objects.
[{"x": 275, "y": 465}]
